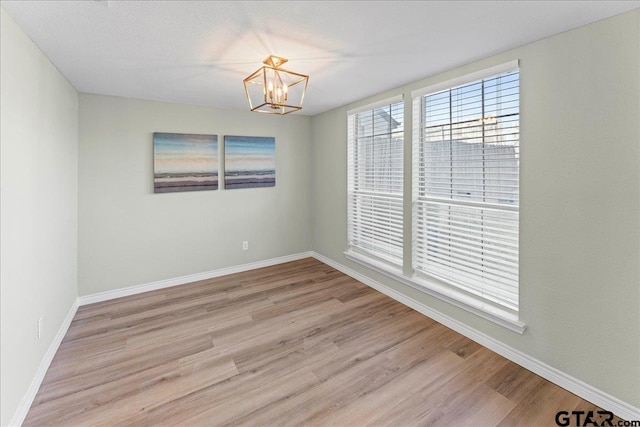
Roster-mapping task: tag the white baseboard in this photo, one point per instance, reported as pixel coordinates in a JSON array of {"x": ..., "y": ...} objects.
[
  {"x": 574, "y": 385},
  {"x": 161, "y": 284},
  {"x": 30, "y": 395}
]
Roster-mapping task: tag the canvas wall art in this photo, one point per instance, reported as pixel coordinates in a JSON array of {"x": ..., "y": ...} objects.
[
  {"x": 249, "y": 161},
  {"x": 185, "y": 162}
]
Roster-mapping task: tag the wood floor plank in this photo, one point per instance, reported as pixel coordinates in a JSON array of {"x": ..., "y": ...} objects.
[
  {"x": 541, "y": 405},
  {"x": 369, "y": 408},
  {"x": 514, "y": 382},
  {"x": 292, "y": 344},
  {"x": 96, "y": 371},
  {"x": 233, "y": 411}
]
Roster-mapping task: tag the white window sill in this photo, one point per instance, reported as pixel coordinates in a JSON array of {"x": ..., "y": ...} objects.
[{"x": 494, "y": 314}]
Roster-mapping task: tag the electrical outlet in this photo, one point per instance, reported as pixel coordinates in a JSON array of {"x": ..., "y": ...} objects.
[
  {"x": 245, "y": 245},
  {"x": 40, "y": 327}
]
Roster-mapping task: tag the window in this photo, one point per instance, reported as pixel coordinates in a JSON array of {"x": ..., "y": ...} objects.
[
  {"x": 375, "y": 181},
  {"x": 466, "y": 188}
]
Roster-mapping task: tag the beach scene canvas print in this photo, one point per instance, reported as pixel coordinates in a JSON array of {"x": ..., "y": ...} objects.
[
  {"x": 185, "y": 162},
  {"x": 249, "y": 161}
]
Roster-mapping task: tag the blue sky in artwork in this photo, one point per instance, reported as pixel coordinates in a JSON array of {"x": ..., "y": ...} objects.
[
  {"x": 249, "y": 153},
  {"x": 185, "y": 153}
]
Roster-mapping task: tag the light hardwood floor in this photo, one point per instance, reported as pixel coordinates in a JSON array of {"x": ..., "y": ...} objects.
[{"x": 294, "y": 344}]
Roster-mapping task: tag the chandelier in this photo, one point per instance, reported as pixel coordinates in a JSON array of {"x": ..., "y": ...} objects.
[{"x": 274, "y": 90}]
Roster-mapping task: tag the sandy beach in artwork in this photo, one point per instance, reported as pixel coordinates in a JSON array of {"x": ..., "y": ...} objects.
[
  {"x": 169, "y": 182},
  {"x": 248, "y": 179}
]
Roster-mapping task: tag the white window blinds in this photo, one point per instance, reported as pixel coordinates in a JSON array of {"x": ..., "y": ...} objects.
[
  {"x": 375, "y": 183},
  {"x": 466, "y": 174}
]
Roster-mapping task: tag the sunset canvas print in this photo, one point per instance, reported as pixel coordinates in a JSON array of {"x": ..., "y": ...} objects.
[
  {"x": 249, "y": 161},
  {"x": 185, "y": 162}
]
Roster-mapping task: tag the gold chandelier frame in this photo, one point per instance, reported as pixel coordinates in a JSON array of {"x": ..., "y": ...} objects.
[{"x": 274, "y": 90}]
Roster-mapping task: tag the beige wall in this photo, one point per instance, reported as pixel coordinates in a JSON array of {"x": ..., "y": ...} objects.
[
  {"x": 129, "y": 236},
  {"x": 580, "y": 202},
  {"x": 38, "y": 208}
]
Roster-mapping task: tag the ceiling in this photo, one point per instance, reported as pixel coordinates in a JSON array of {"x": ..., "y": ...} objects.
[{"x": 198, "y": 52}]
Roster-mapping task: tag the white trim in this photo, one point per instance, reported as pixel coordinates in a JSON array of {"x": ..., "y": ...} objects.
[
  {"x": 588, "y": 392},
  {"x": 374, "y": 262},
  {"x": 376, "y": 104},
  {"x": 30, "y": 395},
  {"x": 447, "y": 294},
  {"x": 467, "y": 78},
  {"x": 161, "y": 284}
]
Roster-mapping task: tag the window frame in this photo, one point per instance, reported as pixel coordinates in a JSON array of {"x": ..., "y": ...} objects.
[
  {"x": 404, "y": 273},
  {"x": 370, "y": 255},
  {"x": 442, "y": 286}
]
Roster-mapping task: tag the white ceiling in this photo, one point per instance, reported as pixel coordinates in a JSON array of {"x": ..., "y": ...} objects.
[{"x": 198, "y": 52}]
